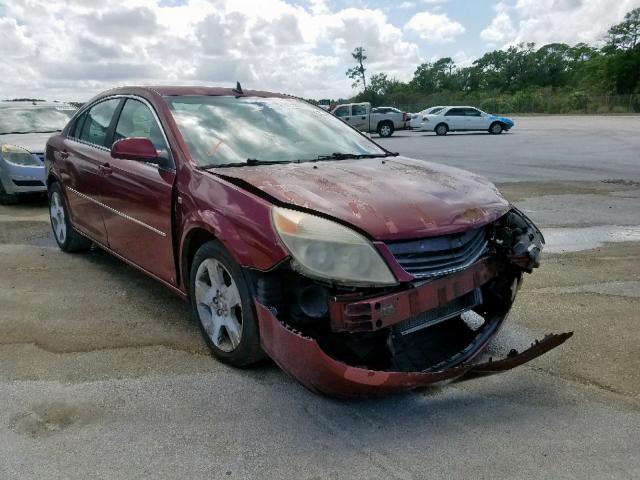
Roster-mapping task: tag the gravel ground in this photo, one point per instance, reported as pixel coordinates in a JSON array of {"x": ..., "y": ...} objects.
[{"x": 103, "y": 374}]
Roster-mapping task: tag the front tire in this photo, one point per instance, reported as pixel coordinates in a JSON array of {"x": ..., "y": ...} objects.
[
  {"x": 222, "y": 304},
  {"x": 496, "y": 128},
  {"x": 66, "y": 237},
  {"x": 385, "y": 129}
]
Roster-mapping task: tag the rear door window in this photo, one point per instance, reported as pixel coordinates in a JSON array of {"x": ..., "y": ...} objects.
[
  {"x": 98, "y": 120},
  {"x": 74, "y": 131},
  {"x": 455, "y": 112},
  {"x": 358, "y": 110}
]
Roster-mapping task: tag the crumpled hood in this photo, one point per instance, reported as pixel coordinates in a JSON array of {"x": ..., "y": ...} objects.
[
  {"x": 33, "y": 142},
  {"x": 389, "y": 198}
]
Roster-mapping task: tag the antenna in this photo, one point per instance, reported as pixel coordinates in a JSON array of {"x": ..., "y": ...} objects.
[{"x": 238, "y": 89}]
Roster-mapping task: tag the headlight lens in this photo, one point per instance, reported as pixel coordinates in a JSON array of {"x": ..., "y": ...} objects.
[
  {"x": 18, "y": 156},
  {"x": 327, "y": 250}
]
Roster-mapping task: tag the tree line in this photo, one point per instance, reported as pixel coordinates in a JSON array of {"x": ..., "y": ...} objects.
[{"x": 554, "y": 78}]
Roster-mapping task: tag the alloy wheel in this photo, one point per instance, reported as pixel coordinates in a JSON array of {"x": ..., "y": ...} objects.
[
  {"x": 219, "y": 304},
  {"x": 56, "y": 211}
]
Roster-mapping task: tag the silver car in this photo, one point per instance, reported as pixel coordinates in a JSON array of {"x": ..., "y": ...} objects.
[{"x": 24, "y": 130}]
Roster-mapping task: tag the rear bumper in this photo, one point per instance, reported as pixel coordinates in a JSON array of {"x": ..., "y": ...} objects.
[{"x": 302, "y": 358}]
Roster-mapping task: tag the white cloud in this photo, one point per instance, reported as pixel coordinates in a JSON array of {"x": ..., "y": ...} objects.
[
  {"x": 73, "y": 49},
  {"x": 546, "y": 21},
  {"x": 501, "y": 28},
  {"x": 14, "y": 40},
  {"x": 383, "y": 42},
  {"x": 415, "y": 3},
  {"x": 462, "y": 60},
  {"x": 434, "y": 27}
]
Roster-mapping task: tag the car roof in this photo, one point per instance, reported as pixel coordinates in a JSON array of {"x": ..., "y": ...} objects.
[{"x": 177, "y": 90}]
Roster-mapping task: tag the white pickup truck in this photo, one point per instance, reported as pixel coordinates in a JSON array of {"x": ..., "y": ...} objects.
[{"x": 365, "y": 119}]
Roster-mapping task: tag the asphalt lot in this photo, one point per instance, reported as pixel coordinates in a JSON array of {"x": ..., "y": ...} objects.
[{"x": 103, "y": 374}]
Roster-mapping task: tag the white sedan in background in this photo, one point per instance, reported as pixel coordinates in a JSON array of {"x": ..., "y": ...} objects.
[
  {"x": 417, "y": 118},
  {"x": 460, "y": 119}
]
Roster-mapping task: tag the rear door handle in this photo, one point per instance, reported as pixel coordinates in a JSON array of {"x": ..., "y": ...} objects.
[{"x": 105, "y": 169}]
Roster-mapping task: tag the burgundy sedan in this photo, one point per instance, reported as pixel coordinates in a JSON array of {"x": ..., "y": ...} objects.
[{"x": 292, "y": 234}]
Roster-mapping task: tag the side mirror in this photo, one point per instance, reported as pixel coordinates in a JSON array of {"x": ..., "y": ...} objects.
[{"x": 135, "y": 148}]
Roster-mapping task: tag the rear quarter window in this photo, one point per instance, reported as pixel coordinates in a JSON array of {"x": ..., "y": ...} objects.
[{"x": 76, "y": 127}]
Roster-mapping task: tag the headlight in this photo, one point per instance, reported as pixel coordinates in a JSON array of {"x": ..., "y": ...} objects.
[
  {"x": 18, "y": 156},
  {"x": 327, "y": 250}
]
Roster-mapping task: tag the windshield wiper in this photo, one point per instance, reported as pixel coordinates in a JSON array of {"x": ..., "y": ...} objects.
[
  {"x": 347, "y": 156},
  {"x": 24, "y": 133},
  {"x": 249, "y": 163},
  {"x": 252, "y": 162}
]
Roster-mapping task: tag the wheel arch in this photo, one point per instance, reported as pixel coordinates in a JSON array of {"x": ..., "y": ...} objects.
[
  {"x": 193, "y": 239},
  {"x": 51, "y": 179},
  {"x": 441, "y": 122},
  {"x": 247, "y": 249}
]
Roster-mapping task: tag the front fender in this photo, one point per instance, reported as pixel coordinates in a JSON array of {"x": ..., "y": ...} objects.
[{"x": 250, "y": 247}]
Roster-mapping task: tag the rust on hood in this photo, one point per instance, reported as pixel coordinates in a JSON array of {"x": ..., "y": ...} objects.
[{"x": 399, "y": 198}]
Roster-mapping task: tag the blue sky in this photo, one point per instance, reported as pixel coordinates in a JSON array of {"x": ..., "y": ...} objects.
[{"x": 72, "y": 49}]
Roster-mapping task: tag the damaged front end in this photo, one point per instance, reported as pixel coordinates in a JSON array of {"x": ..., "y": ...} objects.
[{"x": 455, "y": 291}]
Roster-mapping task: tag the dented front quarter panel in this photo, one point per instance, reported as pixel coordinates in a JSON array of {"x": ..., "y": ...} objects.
[
  {"x": 389, "y": 199},
  {"x": 234, "y": 216},
  {"x": 303, "y": 359}
]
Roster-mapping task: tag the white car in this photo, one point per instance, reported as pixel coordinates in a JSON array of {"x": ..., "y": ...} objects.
[
  {"x": 415, "y": 121},
  {"x": 459, "y": 119}
]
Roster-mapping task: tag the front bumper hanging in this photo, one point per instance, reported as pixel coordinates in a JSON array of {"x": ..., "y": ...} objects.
[{"x": 302, "y": 358}]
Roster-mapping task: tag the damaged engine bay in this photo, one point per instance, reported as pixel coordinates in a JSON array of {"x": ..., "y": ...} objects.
[{"x": 462, "y": 289}]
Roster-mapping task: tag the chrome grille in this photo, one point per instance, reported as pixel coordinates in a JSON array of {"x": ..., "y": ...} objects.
[{"x": 432, "y": 257}]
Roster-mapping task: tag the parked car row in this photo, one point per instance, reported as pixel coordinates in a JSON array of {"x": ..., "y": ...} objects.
[
  {"x": 439, "y": 119},
  {"x": 265, "y": 213}
]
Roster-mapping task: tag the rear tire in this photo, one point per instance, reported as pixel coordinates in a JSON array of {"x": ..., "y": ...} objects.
[
  {"x": 66, "y": 237},
  {"x": 7, "y": 198},
  {"x": 385, "y": 129},
  {"x": 496, "y": 128},
  {"x": 222, "y": 304},
  {"x": 441, "y": 129}
]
